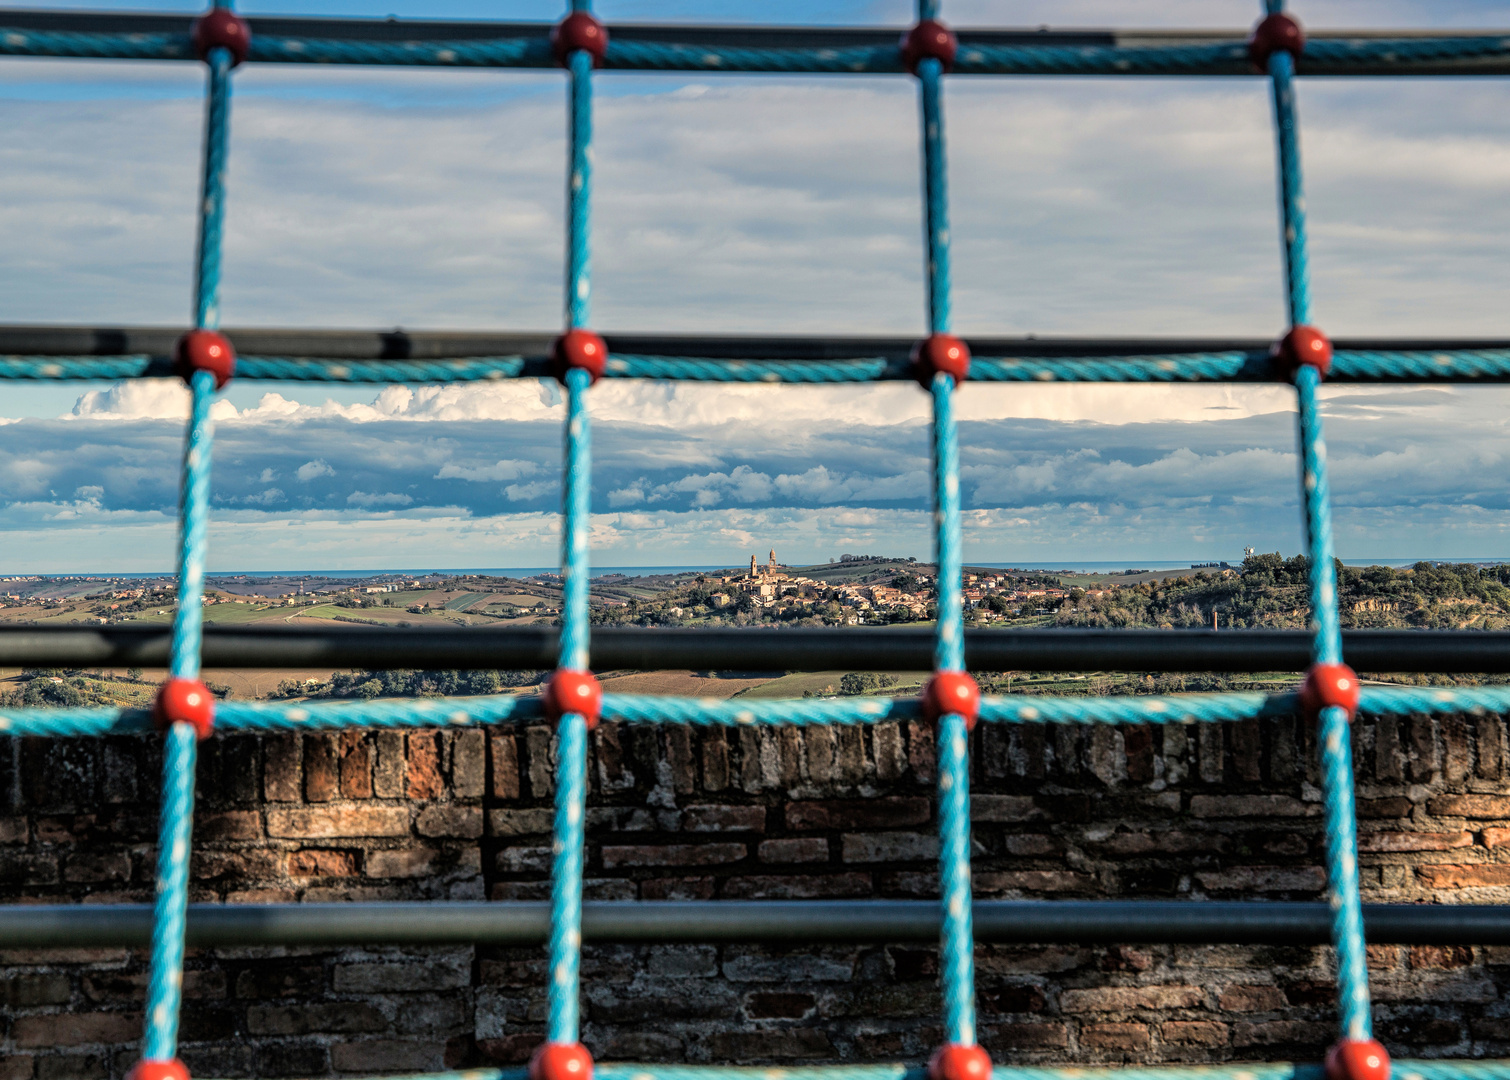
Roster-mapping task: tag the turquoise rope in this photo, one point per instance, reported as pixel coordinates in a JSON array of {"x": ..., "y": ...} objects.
[
  {"x": 217, "y": 137},
  {"x": 194, "y": 521},
  {"x": 1336, "y": 752},
  {"x": 935, "y": 194},
  {"x": 165, "y": 985},
  {"x": 577, "y": 508},
  {"x": 949, "y": 635},
  {"x": 579, "y": 193},
  {"x": 957, "y": 932},
  {"x": 565, "y": 945}
]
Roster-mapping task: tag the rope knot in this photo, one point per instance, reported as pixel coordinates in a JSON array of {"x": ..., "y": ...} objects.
[
  {"x": 929, "y": 40},
  {"x": 220, "y": 27},
  {"x": 1275, "y": 33},
  {"x": 1357, "y": 1059},
  {"x": 1303, "y": 346},
  {"x": 186, "y": 701},
  {"x": 561, "y": 1061},
  {"x": 955, "y": 1062},
  {"x": 940, "y": 353},
  {"x": 205, "y": 350},
  {"x": 1327, "y": 685},
  {"x": 568, "y": 691},
  {"x": 952, "y": 692},
  {"x": 578, "y": 348},
  {"x": 580, "y": 30},
  {"x": 158, "y": 1070}
]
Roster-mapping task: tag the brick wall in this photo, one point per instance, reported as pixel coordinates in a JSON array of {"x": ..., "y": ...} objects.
[{"x": 1221, "y": 812}]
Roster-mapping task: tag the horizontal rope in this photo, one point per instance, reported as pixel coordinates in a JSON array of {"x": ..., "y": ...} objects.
[
  {"x": 1455, "y": 365},
  {"x": 1328, "y": 56},
  {"x": 802, "y": 712}
]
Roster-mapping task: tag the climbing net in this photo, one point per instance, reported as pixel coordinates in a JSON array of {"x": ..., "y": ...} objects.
[{"x": 185, "y": 712}]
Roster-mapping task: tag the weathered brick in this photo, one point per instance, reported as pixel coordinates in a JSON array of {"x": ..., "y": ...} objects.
[
  {"x": 451, "y": 820},
  {"x": 1470, "y": 806},
  {"x": 888, "y": 847},
  {"x": 322, "y": 822},
  {"x": 772, "y": 1005},
  {"x": 886, "y": 746},
  {"x": 333, "y": 1018},
  {"x": 389, "y": 768},
  {"x": 1471, "y": 876},
  {"x": 322, "y": 862},
  {"x": 680, "y": 760},
  {"x": 1194, "y": 1033},
  {"x": 796, "y": 849},
  {"x": 1163, "y": 841},
  {"x": 75, "y": 1029},
  {"x": 1032, "y": 881},
  {"x": 1131, "y": 998},
  {"x": 681, "y": 888},
  {"x": 1251, "y": 806},
  {"x": 520, "y": 822},
  {"x": 715, "y": 751},
  {"x": 356, "y": 765},
  {"x": 422, "y": 779},
  {"x": 1494, "y": 837},
  {"x": 1308, "y": 1033},
  {"x": 227, "y": 825},
  {"x": 28, "y": 991},
  {"x": 713, "y": 854},
  {"x": 387, "y": 1055},
  {"x": 438, "y": 974},
  {"x": 13, "y": 830},
  {"x": 322, "y": 768},
  {"x": 537, "y": 744},
  {"x": 723, "y": 819},
  {"x": 282, "y": 775},
  {"x": 1416, "y": 841},
  {"x": 402, "y": 863},
  {"x": 1003, "y": 808},
  {"x": 999, "y": 1041},
  {"x": 469, "y": 768},
  {"x": 1423, "y": 957},
  {"x": 97, "y": 868},
  {"x": 1264, "y": 879},
  {"x": 505, "y": 759},
  {"x": 881, "y": 813},
  {"x": 787, "y": 1043},
  {"x": 1115, "y": 1036},
  {"x": 797, "y": 887},
  {"x": 1252, "y": 999}
]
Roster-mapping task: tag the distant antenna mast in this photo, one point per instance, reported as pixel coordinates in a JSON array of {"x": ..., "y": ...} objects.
[{"x": 1247, "y": 551}]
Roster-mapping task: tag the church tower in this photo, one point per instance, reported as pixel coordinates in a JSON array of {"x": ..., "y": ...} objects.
[
  {"x": 752, "y": 566},
  {"x": 772, "y": 565}
]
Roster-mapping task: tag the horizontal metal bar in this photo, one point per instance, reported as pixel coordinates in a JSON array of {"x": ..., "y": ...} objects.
[
  {"x": 398, "y": 344},
  {"x": 533, "y": 648},
  {"x": 778, "y": 922}
]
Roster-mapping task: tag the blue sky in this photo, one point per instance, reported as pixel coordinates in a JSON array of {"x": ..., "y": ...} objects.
[{"x": 433, "y": 198}]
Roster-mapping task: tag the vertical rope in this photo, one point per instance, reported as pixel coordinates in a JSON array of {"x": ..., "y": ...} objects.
[
  {"x": 1326, "y": 628},
  {"x": 1292, "y": 201},
  {"x": 1336, "y": 747},
  {"x": 576, "y": 506},
  {"x": 928, "y": 9},
  {"x": 935, "y": 194},
  {"x": 579, "y": 190},
  {"x": 193, "y": 527},
  {"x": 566, "y": 881},
  {"x": 949, "y": 636},
  {"x": 165, "y": 986},
  {"x": 957, "y": 940},
  {"x": 212, "y": 191}
]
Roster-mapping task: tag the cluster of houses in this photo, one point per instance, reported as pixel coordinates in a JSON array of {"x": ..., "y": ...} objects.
[{"x": 771, "y": 586}]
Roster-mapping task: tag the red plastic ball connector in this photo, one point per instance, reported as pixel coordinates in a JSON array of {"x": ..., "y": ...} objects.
[
  {"x": 952, "y": 692},
  {"x": 186, "y": 700},
  {"x": 579, "y": 349},
  {"x": 158, "y": 1070},
  {"x": 940, "y": 353},
  {"x": 1275, "y": 33},
  {"x": 1303, "y": 345},
  {"x": 929, "y": 40},
  {"x": 205, "y": 350},
  {"x": 579, "y": 30},
  {"x": 1357, "y": 1059},
  {"x": 955, "y": 1062},
  {"x": 568, "y": 691},
  {"x": 561, "y": 1061},
  {"x": 1326, "y": 685},
  {"x": 222, "y": 27}
]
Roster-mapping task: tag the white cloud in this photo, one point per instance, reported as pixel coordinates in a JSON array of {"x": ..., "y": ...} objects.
[
  {"x": 502, "y": 470},
  {"x": 312, "y": 470},
  {"x": 391, "y": 498},
  {"x": 526, "y": 492}
]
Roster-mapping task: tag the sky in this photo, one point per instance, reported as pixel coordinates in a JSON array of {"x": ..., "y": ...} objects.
[{"x": 434, "y": 199}]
